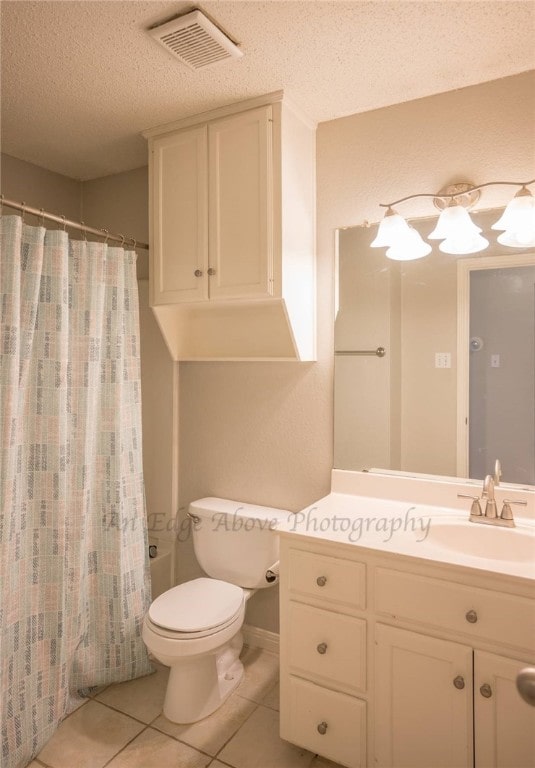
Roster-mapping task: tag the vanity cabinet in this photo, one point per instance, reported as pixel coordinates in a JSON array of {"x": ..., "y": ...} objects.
[
  {"x": 388, "y": 662},
  {"x": 232, "y": 232}
]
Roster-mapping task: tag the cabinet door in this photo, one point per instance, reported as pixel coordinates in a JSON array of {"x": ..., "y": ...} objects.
[
  {"x": 504, "y": 722},
  {"x": 180, "y": 217},
  {"x": 241, "y": 203},
  {"x": 423, "y": 701}
]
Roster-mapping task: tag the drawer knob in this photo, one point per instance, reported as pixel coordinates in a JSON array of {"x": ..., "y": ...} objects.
[
  {"x": 198, "y": 273},
  {"x": 322, "y": 728},
  {"x": 486, "y": 690},
  {"x": 322, "y": 648},
  {"x": 471, "y": 617},
  {"x": 211, "y": 271},
  {"x": 458, "y": 682},
  {"x": 321, "y": 581}
]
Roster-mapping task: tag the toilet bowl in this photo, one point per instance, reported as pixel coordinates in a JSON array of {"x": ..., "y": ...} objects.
[
  {"x": 194, "y": 628},
  {"x": 203, "y": 650}
]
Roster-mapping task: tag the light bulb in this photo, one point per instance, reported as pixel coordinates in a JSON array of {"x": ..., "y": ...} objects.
[
  {"x": 391, "y": 228},
  {"x": 409, "y": 247}
]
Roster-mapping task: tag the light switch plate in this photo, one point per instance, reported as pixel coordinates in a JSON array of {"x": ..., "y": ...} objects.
[{"x": 442, "y": 359}]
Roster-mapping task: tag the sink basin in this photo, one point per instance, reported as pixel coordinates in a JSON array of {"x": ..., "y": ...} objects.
[{"x": 485, "y": 541}]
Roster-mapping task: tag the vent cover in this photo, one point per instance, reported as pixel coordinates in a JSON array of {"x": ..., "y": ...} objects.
[{"x": 195, "y": 40}]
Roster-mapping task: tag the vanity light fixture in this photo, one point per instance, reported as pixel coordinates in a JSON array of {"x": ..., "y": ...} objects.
[{"x": 455, "y": 228}]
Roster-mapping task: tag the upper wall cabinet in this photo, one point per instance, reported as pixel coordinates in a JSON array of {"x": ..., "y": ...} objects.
[{"x": 232, "y": 196}]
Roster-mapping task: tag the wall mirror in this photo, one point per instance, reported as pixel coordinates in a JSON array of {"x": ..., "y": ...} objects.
[{"x": 455, "y": 388}]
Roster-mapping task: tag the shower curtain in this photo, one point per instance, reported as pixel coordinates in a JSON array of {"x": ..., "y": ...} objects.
[{"x": 73, "y": 542}]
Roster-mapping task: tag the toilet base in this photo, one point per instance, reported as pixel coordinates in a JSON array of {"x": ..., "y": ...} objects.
[{"x": 199, "y": 685}]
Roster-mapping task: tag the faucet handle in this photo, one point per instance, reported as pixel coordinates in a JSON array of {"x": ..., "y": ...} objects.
[
  {"x": 507, "y": 512},
  {"x": 475, "y": 509}
]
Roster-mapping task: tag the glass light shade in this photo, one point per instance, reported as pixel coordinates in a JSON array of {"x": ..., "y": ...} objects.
[
  {"x": 409, "y": 247},
  {"x": 519, "y": 213},
  {"x": 459, "y": 245},
  {"x": 517, "y": 240},
  {"x": 454, "y": 221},
  {"x": 391, "y": 228},
  {"x": 518, "y": 221}
]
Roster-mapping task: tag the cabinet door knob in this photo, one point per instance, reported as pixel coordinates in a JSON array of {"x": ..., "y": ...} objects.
[
  {"x": 198, "y": 273},
  {"x": 322, "y": 648},
  {"x": 471, "y": 617},
  {"x": 458, "y": 682},
  {"x": 486, "y": 690},
  {"x": 321, "y": 581},
  {"x": 322, "y": 728},
  {"x": 211, "y": 271}
]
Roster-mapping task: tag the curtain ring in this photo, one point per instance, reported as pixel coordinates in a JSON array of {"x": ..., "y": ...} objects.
[
  {"x": 42, "y": 217},
  {"x": 63, "y": 217},
  {"x": 134, "y": 242},
  {"x": 1, "y": 205},
  {"x": 122, "y": 240},
  {"x": 84, "y": 232},
  {"x": 23, "y": 210},
  {"x": 106, "y": 235}
]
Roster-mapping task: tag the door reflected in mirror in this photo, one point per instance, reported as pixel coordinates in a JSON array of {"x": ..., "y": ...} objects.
[{"x": 455, "y": 389}]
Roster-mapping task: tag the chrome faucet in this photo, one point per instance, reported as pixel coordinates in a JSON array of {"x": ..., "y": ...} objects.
[
  {"x": 488, "y": 494},
  {"x": 490, "y": 516}
]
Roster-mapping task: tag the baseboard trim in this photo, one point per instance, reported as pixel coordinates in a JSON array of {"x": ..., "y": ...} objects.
[{"x": 255, "y": 637}]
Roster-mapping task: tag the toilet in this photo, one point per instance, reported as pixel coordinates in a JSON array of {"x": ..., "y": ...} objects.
[{"x": 194, "y": 628}]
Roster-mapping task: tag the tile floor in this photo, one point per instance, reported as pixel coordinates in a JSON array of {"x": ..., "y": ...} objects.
[{"x": 122, "y": 726}]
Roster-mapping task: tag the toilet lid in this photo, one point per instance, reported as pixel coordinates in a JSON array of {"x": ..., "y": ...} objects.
[{"x": 196, "y": 605}]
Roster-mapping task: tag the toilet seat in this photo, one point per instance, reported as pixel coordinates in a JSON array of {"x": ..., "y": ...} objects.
[{"x": 197, "y": 608}]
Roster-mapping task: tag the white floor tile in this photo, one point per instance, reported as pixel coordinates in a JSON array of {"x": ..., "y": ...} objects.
[
  {"x": 141, "y": 698},
  {"x": 261, "y": 674},
  {"x": 258, "y": 745},
  {"x": 89, "y": 737},
  {"x": 213, "y": 732},
  {"x": 152, "y": 749}
]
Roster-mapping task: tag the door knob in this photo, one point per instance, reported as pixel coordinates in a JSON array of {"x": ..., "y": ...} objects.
[
  {"x": 322, "y": 728},
  {"x": 198, "y": 273},
  {"x": 471, "y": 617},
  {"x": 322, "y": 648},
  {"x": 458, "y": 682},
  {"x": 321, "y": 581},
  {"x": 486, "y": 690},
  {"x": 211, "y": 271}
]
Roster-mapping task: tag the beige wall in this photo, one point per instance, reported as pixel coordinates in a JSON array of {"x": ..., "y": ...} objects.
[{"x": 24, "y": 182}]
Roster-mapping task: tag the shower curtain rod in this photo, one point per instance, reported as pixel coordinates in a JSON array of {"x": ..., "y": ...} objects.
[{"x": 42, "y": 214}]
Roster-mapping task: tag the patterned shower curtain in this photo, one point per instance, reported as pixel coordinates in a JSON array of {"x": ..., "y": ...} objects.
[{"x": 73, "y": 543}]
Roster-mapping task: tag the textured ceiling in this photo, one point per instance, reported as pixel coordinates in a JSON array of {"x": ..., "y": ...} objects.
[{"x": 80, "y": 80}]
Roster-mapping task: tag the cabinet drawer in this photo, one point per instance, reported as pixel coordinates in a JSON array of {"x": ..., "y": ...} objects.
[
  {"x": 337, "y": 581},
  {"x": 498, "y": 617},
  {"x": 342, "y": 717},
  {"x": 327, "y": 645}
]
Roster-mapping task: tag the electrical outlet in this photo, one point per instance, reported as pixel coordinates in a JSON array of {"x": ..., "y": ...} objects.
[{"x": 442, "y": 359}]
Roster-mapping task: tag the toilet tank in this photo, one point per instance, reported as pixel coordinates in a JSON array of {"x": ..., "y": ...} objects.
[{"x": 234, "y": 541}]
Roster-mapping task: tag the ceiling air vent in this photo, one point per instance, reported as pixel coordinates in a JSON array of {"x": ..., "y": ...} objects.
[{"x": 195, "y": 40}]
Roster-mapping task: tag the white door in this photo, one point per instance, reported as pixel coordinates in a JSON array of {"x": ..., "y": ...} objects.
[
  {"x": 423, "y": 701},
  {"x": 504, "y": 722},
  {"x": 180, "y": 217},
  {"x": 241, "y": 205}
]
